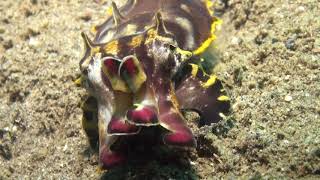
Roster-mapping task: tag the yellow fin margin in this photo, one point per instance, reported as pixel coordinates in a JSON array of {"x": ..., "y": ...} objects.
[
  {"x": 209, "y": 5},
  {"x": 223, "y": 98},
  {"x": 203, "y": 47},
  {"x": 210, "y": 81}
]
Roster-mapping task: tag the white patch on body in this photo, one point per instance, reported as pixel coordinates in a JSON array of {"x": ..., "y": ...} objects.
[
  {"x": 187, "y": 26},
  {"x": 185, "y": 8},
  {"x": 108, "y": 37},
  {"x": 129, "y": 30}
]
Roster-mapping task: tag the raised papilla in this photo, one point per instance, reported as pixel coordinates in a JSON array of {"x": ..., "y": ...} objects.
[{"x": 142, "y": 68}]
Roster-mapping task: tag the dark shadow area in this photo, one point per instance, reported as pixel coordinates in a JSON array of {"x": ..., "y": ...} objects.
[{"x": 149, "y": 159}]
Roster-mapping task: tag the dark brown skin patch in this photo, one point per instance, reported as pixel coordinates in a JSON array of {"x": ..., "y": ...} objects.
[{"x": 142, "y": 13}]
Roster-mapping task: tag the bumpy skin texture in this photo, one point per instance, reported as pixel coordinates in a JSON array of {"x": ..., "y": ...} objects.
[{"x": 129, "y": 71}]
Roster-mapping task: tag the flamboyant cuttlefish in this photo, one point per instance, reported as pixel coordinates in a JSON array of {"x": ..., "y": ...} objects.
[{"x": 143, "y": 67}]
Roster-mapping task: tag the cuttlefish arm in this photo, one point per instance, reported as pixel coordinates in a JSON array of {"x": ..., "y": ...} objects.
[
  {"x": 111, "y": 113},
  {"x": 170, "y": 117}
]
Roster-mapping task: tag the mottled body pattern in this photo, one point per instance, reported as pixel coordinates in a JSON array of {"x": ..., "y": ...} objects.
[{"x": 130, "y": 71}]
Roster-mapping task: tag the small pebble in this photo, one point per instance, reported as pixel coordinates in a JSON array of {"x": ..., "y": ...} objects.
[
  {"x": 290, "y": 44},
  {"x": 14, "y": 128},
  {"x": 274, "y": 40},
  {"x": 33, "y": 42},
  {"x": 86, "y": 17},
  {"x": 288, "y": 98},
  {"x": 286, "y": 141},
  {"x": 236, "y": 41},
  {"x": 65, "y": 147},
  {"x": 287, "y": 77},
  {"x": 316, "y": 152},
  {"x": 301, "y": 9},
  {"x": 8, "y": 44}
]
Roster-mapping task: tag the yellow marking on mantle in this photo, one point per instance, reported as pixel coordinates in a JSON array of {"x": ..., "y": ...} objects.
[
  {"x": 136, "y": 41},
  {"x": 112, "y": 47}
]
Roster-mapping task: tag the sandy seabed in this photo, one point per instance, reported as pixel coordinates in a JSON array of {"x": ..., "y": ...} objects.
[{"x": 270, "y": 63}]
